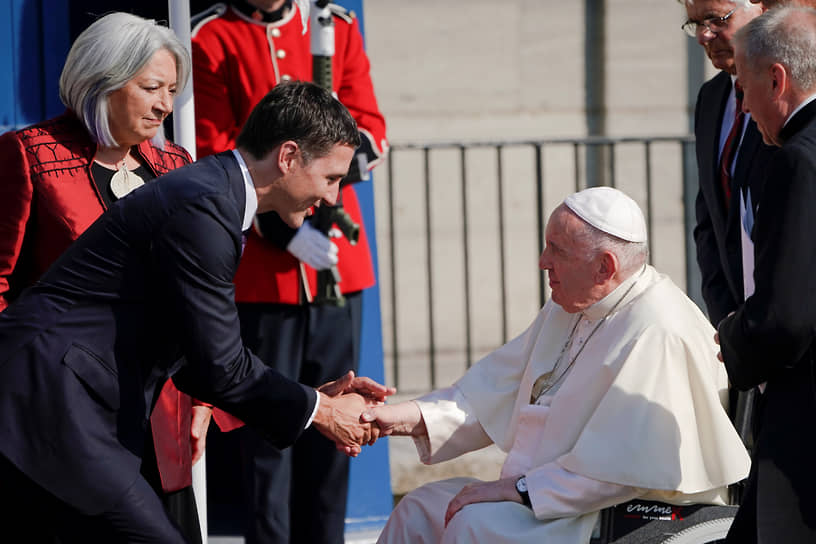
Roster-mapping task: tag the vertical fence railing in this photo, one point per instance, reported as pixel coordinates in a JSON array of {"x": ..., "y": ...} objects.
[
  {"x": 429, "y": 264},
  {"x": 502, "y": 249},
  {"x": 690, "y": 186},
  {"x": 539, "y": 204},
  {"x": 649, "y": 204},
  {"x": 465, "y": 254},
  {"x": 659, "y": 172}
]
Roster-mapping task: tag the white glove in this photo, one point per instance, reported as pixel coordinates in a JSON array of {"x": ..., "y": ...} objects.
[{"x": 313, "y": 247}]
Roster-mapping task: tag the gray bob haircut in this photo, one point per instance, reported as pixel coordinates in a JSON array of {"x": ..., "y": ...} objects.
[
  {"x": 786, "y": 35},
  {"x": 107, "y": 55}
]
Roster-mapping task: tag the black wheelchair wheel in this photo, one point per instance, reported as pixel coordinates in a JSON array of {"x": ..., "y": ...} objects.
[{"x": 707, "y": 532}]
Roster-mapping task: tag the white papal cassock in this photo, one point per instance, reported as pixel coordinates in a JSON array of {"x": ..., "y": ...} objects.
[{"x": 640, "y": 414}]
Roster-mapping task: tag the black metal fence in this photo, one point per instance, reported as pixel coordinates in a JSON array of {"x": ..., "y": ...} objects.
[{"x": 460, "y": 228}]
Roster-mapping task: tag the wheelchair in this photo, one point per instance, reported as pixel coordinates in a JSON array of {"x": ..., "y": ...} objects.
[{"x": 653, "y": 522}]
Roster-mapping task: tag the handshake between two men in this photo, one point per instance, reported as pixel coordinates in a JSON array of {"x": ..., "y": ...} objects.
[{"x": 352, "y": 413}]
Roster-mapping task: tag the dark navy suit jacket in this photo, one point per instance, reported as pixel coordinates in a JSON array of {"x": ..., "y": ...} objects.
[
  {"x": 772, "y": 338},
  {"x": 146, "y": 292},
  {"x": 717, "y": 234}
]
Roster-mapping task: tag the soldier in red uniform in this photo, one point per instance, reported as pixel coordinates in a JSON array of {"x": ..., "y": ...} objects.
[{"x": 239, "y": 53}]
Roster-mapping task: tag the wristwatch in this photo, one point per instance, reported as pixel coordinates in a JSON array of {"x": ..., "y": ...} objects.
[{"x": 521, "y": 487}]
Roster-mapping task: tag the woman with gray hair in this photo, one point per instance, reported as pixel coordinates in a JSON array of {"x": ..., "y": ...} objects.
[{"x": 118, "y": 84}]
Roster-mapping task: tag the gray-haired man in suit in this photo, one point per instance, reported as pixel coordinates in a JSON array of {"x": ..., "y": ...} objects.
[
  {"x": 730, "y": 158},
  {"x": 769, "y": 340}
]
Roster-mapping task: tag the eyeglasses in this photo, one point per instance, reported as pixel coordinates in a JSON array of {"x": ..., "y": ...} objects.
[{"x": 712, "y": 24}]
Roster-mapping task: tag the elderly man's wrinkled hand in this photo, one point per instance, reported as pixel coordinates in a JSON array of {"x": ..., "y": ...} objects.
[
  {"x": 339, "y": 419},
  {"x": 403, "y": 419},
  {"x": 717, "y": 341},
  {"x": 717, "y": 335},
  {"x": 495, "y": 491}
]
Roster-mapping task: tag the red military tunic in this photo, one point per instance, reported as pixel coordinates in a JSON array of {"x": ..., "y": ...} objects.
[
  {"x": 47, "y": 199},
  {"x": 236, "y": 61}
]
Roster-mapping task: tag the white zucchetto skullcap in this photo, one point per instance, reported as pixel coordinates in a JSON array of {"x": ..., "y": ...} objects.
[{"x": 610, "y": 211}]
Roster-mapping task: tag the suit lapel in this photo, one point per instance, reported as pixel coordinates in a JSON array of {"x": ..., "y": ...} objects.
[
  {"x": 727, "y": 224},
  {"x": 710, "y": 134}
]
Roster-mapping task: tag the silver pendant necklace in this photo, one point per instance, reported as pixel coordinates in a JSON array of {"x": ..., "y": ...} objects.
[
  {"x": 124, "y": 181},
  {"x": 549, "y": 379}
]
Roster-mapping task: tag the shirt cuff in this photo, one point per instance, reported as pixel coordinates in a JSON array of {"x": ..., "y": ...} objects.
[{"x": 314, "y": 411}]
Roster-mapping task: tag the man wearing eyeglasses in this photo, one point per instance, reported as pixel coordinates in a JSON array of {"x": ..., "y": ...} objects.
[{"x": 730, "y": 160}]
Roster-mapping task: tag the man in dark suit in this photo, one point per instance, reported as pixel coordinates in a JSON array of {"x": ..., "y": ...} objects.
[
  {"x": 723, "y": 183},
  {"x": 146, "y": 293},
  {"x": 770, "y": 338}
]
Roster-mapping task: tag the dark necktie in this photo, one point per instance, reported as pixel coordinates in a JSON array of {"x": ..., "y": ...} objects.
[{"x": 731, "y": 145}]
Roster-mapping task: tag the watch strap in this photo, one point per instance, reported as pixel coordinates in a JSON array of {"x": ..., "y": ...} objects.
[{"x": 521, "y": 488}]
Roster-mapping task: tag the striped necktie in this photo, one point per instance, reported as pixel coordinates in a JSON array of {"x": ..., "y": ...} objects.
[{"x": 731, "y": 145}]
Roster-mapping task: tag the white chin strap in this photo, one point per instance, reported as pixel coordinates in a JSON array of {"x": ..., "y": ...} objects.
[{"x": 303, "y": 7}]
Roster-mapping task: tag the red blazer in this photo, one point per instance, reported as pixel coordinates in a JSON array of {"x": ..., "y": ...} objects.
[
  {"x": 47, "y": 199},
  {"x": 236, "y": 61}
]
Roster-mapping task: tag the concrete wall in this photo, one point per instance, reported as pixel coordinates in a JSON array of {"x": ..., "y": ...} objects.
[{"x": 482, "y": 69}]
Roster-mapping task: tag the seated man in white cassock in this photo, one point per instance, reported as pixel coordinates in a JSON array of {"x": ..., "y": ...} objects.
[{"x": 613, "y": 393}]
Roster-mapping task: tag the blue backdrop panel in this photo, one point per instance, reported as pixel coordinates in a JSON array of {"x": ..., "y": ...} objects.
[
  {"x": 56, "y": 44},
  {"x": 34, "y": 40},
  {"x": 370, "y": 498},
  {"x": 8, "y": 66}
]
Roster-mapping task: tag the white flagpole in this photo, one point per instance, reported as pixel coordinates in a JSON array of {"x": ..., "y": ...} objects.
[
  {"x": 183, "y": 112},
  {"x": 184, "y": 135}
]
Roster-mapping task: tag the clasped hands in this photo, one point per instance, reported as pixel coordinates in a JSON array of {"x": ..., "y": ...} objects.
[
  {"x": 343, "y": 402},
  {"x": 357, "y": 415}
]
